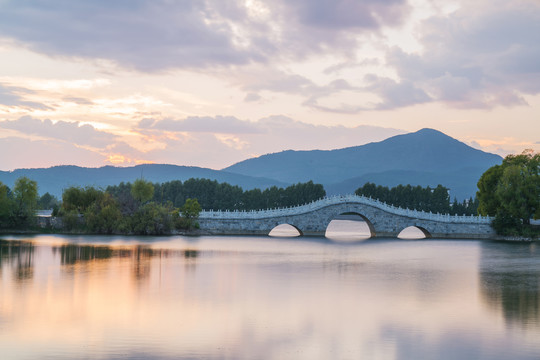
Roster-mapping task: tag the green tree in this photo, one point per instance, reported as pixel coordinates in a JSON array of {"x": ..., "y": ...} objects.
[
  {"x": 103, "y": 216},
  {"x": 190, "y": 213},
  {"x": 142, "y": 190},
  {"x": 47, "y": 201},
  {"x": 153, "y": 219},
  {"x": 79, "y": 199},
  {"x": 511, "y": 192},
  {"x": 25, "y": 196},
  {"x": 6, "y": 205},
  {"x": 487, "y": 185}
]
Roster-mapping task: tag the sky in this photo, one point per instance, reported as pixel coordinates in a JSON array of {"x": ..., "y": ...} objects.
[{"x": 212, "y": 82}]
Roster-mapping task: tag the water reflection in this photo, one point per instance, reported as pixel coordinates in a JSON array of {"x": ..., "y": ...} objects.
[
  {"x": 265, "y": 298},
  {"x": 348, "y": 228},
  {"x": 18, "y": 255},
  {"x": 284, "y": 230},
  {"x": 413, "y": 233},
  {"x": 79, "y": 257},
  {"x": 510, "y": 279},
  {"x": 71, "y": 254}
]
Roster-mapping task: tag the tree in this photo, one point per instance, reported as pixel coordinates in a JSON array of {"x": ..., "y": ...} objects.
[
  {"x": 487, "y": 185},
  {"x": 103, "y": 216},
  {"x": 190, "y": 213},
  {"x": 142, "y": 190},
  {"x": 79, "y": 199},
  {"x": 511, "y": 192},
  {"x": 47, "y": 201},
  {"x": 25, "y": 196},
  {"x": 6, "y": 205}
]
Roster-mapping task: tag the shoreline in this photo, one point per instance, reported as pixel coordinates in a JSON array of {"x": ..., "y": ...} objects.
[{"x": 201, "y": 232}]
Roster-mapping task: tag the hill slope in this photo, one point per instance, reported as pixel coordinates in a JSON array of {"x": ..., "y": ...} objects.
[
  {"x": 426, "y": 157},
  {"x": 54, "y": 179}
]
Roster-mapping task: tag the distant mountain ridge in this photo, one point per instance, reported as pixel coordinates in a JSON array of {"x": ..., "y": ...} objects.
[
  {"x": 425, "y": 157},
  {"x": 55, "y": 179}
]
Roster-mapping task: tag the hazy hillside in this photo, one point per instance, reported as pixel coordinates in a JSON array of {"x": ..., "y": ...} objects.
[
  {"x": 54, "y": 179},
  {"x": 426, "y": 157}
]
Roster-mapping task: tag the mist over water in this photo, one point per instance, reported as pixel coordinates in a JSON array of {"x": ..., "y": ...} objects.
[{"x": 64, "y": 297}]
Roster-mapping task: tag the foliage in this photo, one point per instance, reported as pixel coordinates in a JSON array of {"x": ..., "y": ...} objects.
[
  {"x": 97, "y": 211},
  {"x": 6, "y": 205},
  {"x": 79, "y": 199},
  {"x": 511, "y": 192},
  {"x": 212, "y": 195},
  {"x": 153, "y": 218},
  {"x": 142, "y": 190},
  {"x": 435, "y": 199},
  {"x": 466, "y": 207},
  {"x": 47, "y": 201},
  {"x": 71, "y": 220},
  {"x": 103, "y": 216},
  {"x": 190, "y": 213},
  {"x": 25, "y": 197}
]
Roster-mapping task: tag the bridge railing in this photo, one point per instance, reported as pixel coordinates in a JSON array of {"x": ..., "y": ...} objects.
[{"x": 338, "y": 199}]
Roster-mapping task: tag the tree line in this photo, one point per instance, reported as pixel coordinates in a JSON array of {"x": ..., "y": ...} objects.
[
  {"x": 142, "y": 207},
  {"x": 435, "y": 200},
  {"x": 94, "y": 210},
  {"x": 97, "y": 211},
  {"x": 212, "y": 195}
]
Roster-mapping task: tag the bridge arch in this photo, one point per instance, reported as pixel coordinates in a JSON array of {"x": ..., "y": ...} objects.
[
  {"x": 285, "y": 230},
  {"x": 414, "y": 232},
  {"x": 352, "y": 230}
]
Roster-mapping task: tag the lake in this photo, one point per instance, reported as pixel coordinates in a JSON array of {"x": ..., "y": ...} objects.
[{"x": 98, "y": 297}]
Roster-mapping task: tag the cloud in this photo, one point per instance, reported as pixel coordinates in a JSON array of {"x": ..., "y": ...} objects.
[
  {"x": 215, "y": 142},
  {"x": 78, "y": 100},
  {"x": 25, "y": 153},
  {"x": 153, "y": 35},
  {"x": 146, "y": 35},
  {"x": 252, "y": 97},
  {"x": 218, "y": 124},
  {"x": 197, "y": 144},
  {"x": 395, "y": 94},
  {"x": 475, "y": 58},
  {"x": 14, "y": 96},
  {"x": 72, "y": 132},
  {"x": 348, "y": 14}
]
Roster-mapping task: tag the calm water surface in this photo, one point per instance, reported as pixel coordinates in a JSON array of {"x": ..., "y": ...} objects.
[{"x": 267, "y": 298}]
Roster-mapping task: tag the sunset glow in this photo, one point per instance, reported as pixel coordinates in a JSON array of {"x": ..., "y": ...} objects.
[{"x": 207, "y": 84}]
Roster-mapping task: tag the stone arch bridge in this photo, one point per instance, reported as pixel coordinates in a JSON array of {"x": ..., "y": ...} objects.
[{"x": 312, "y": 219}]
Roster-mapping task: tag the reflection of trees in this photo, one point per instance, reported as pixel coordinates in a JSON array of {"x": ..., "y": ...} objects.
[
  {"x": 142, "y": 257},
  {"x": 191, "y": 258},
  {"x": 141, "y": 262},
  {"x": 510, "y": 281},
  {"x": 19, "y": 254},
  {"x": 191, "y": 254},
  {"x": 71, "y": 254}
]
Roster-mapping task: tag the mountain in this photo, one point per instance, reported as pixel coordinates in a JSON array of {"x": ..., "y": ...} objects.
[
  {"x": 426, "y": 157},
  {"x": 56, "y": 178}
]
